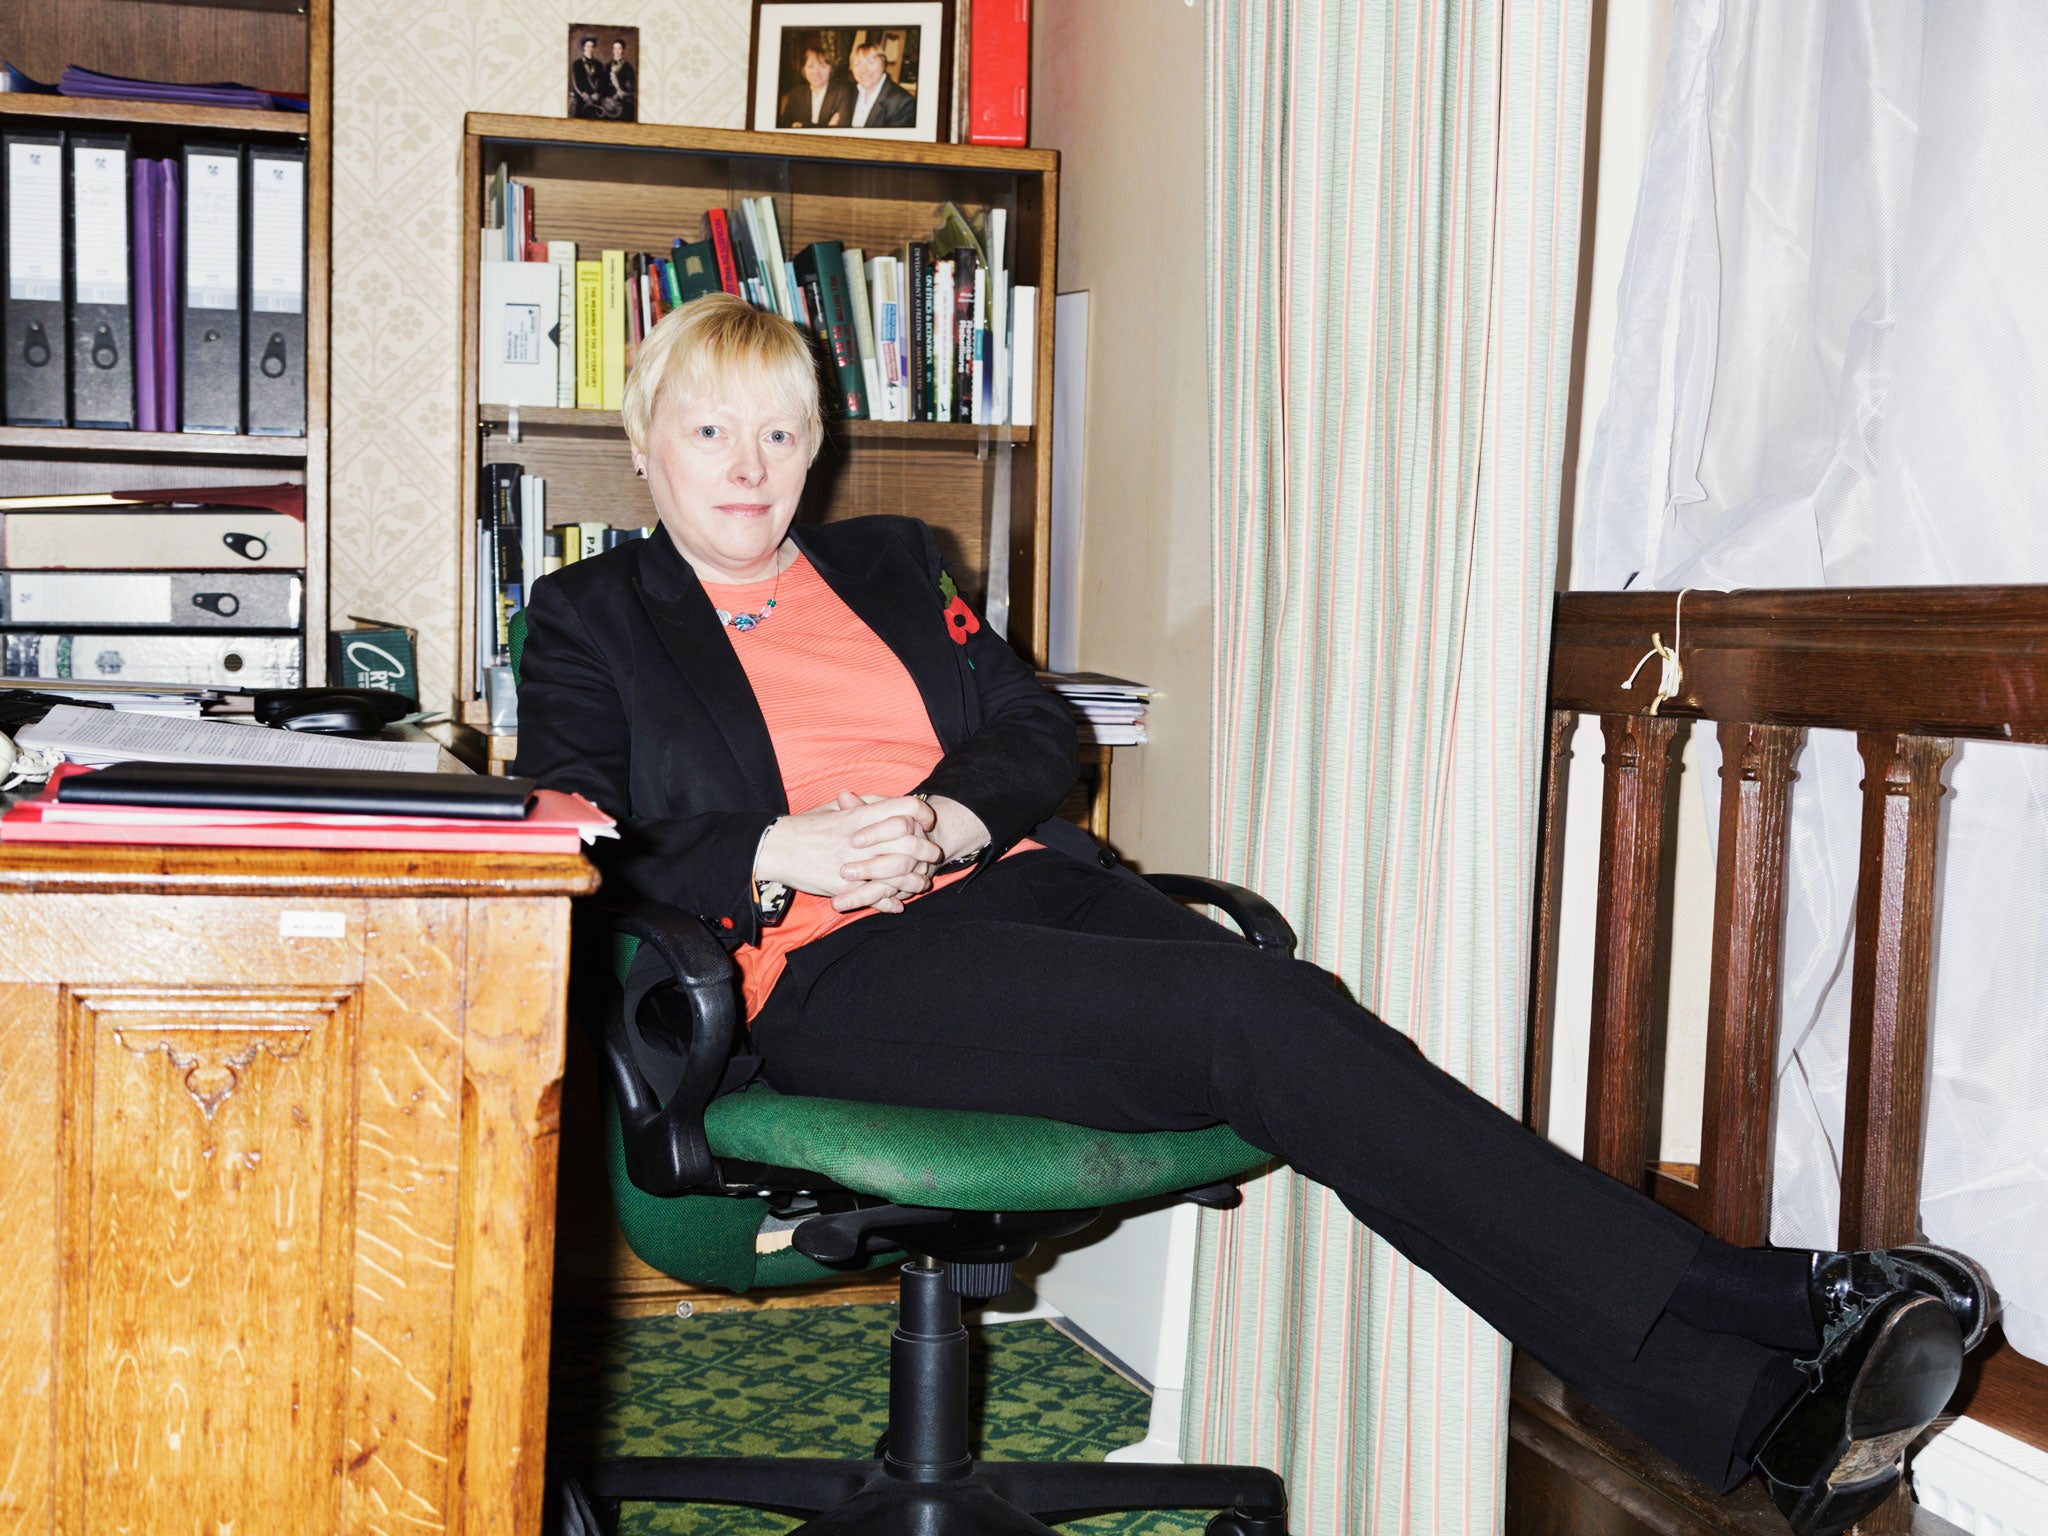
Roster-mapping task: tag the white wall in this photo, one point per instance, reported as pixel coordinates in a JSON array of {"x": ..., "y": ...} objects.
[{"x": 1132, "y": 232}]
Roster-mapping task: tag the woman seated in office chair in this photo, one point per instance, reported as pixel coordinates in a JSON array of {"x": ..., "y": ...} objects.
[{"x": 809, "y": 739}]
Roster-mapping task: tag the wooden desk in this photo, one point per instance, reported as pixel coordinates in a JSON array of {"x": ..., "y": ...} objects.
[{"x": 278, "y": 1132}]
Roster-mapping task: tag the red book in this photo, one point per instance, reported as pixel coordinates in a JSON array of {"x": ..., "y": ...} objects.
[
  {"x": 999, "y": 73},
  {"x": 719, "y": 233}
]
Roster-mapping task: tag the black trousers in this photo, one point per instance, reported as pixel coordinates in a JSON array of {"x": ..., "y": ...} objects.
[{"x": 1044, "y": 986}]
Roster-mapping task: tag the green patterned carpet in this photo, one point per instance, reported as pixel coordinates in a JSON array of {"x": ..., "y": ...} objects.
[{"x": 813, "y": 1381}]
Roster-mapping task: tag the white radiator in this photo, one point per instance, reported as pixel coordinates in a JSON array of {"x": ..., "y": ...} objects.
[{"x": 1983, "y": 1481}]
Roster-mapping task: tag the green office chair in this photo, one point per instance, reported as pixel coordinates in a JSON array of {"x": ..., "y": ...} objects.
[{"x": 694, "y": 1175}]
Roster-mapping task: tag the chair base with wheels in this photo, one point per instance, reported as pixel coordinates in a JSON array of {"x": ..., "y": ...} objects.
[{"x": 924, "y": 1483}]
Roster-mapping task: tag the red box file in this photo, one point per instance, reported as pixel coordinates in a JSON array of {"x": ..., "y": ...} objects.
[{"x": 999, "y": 73}]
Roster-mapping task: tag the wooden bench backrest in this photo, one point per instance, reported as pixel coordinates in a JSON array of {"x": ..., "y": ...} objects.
[{"x": 1910, "y": 670}]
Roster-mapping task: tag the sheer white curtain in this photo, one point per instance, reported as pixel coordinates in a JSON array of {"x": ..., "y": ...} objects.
[{"x": 1831, "y": 368}]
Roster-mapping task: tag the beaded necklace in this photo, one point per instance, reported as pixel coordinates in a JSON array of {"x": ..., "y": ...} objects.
[{"x": 742, "y": 622}]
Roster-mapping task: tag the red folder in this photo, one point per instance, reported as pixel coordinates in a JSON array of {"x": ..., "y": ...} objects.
[
  {"x": 556, "y": 824},
  {"x": 999, "y": 73}
]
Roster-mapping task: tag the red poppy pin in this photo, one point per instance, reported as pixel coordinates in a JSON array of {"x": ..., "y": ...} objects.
[{"x": 960, "y": 619}]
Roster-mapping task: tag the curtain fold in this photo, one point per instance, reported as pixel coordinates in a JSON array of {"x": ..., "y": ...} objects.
[{"x": 1394, "y": 211}]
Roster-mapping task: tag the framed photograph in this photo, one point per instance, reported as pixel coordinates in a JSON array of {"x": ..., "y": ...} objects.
[
  {"x": 604, "y": 72},
  {"x": 876, "y": 69}
]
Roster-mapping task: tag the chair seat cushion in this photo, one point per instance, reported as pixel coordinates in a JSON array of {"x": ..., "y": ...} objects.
[{"x": 968, "y": 1161}]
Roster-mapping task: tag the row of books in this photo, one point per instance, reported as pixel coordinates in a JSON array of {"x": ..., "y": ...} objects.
[
  {"x": 189, "y": 588},
  {"x": 514, "y": 546},
  {"x": 925, "y": 333},
  {"x": 154, "y": 295}
]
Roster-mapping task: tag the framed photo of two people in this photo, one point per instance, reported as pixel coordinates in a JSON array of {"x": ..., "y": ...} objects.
[
  {"x": 872, "y": 68},
  {"x": 604, "y": 72}
]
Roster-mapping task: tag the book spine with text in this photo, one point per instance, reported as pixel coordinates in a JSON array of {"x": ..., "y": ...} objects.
[
  {"x": 589, "y": 336},
  {"x": 614, "y": 328},
  {"x": 920, "y": 297},
  {"x": 719, "y": 233},
  {"x": 964, "y": 265}
]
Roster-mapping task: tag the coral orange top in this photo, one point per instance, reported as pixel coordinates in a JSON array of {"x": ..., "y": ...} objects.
[{"x": 843, "y": 713}]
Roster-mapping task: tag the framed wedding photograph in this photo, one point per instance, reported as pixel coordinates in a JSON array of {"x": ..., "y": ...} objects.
[
  {"x": 878, "y": 69},
  {"x": 604, "y": 72}
]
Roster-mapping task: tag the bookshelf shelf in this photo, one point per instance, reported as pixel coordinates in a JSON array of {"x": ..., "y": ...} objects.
[
  {"x": 985, "y": 490},
  {"x": 161, "y": 445},
  {"x": 279, "y": 45},
  {"x": 607, "y": 423},
  {"x": 155, "y": 114}
]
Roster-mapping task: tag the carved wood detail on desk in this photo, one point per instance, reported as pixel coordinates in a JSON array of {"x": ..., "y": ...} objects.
[
  {"x": 277, "y": 1209},
  {"x": 1742, "y": 985},
  {"x": 205, "y": 1177}
]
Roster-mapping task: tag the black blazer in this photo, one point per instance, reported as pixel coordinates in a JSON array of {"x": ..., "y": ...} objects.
[
  {"x": 630, "y": 695},
  {"x": 796, "y": 106},
  {"x": 894, "y": 107}
]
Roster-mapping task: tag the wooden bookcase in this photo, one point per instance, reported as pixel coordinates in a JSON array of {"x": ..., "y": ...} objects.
[
  {"x": 638, "y": 186},
  {"x": 279, "y": 45}
]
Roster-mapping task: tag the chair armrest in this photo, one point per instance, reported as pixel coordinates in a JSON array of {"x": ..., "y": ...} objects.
[
  {"x": 1256, "y": 918},
  {"x": 665, "y": 1148}
]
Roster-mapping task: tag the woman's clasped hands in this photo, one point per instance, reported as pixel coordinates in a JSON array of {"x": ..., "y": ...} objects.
[{"x": 867, "y": 850}]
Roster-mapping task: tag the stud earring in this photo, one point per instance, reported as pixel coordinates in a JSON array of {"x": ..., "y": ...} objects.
[{"x": 641, "y": 473}]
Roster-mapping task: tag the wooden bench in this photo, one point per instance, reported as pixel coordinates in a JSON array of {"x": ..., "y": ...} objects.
[{"x": 1909, "y": 670}]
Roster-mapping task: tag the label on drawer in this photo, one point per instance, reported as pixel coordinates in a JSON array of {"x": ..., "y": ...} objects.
[{"x": 312, "y": 925}]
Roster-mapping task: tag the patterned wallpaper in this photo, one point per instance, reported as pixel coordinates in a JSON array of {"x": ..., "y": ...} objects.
[{"x": 405, "y": 72}]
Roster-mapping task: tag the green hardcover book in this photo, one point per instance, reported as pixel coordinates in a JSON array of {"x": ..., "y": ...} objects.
[
  {"x": 696, "y": 270},
  {"x": 821, "y": 268}
]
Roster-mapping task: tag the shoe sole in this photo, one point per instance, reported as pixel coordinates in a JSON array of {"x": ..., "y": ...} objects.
[
  {"x": 1907, "y": 1377},
  {"x": 1979, "y": 1280}
]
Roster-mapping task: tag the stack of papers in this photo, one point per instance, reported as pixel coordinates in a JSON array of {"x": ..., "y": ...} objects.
[
  {"x": 1110, "y": 711},
  {"x": 116, "y": 736},
  {"x": 554, "y": 823}
]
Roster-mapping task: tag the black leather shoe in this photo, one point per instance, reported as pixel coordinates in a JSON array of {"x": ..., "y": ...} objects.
[
  {"x": 1886, "y": 1369},
  {"x": 1844, "y": 1286}
]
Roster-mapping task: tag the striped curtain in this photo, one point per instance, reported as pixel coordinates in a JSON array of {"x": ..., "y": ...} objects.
[{"x": 1394, "y": 205}]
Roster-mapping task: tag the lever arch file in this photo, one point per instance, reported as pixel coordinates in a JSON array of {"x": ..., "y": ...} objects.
[
  {"x": 276, "y": 371},
  {"x": 32, "y": 316},
  {"x": 102, "y": 307},
  {"x": 212, "y": 298}
]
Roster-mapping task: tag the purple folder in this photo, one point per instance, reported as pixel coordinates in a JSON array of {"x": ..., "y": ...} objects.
[
  {"x": 143, "y": 288},
  {"x": 169, "y": 297},
  {"x": 77, "y": 81}
]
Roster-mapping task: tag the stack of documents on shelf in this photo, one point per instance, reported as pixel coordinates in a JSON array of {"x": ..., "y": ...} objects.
[
  {"x": 81, "y": 735},
  {"x": 79, "y": 81},
  {"x": 1110, "y": 711},
  {"x": 166, "y": 804},
  {"x": 188, "y": 589}
]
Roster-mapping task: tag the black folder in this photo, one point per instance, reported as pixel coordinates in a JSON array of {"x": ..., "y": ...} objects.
[
  {"x": 102, "y": 327},
  {"x": 32, "y": 298},
  {"x": 276, "y": 370},
  {"x": 211, "y": 299},
  {"x": 337, "y": 791}
]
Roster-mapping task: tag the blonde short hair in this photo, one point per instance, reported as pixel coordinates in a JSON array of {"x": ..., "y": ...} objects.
[{"x": 718, "y": 343}]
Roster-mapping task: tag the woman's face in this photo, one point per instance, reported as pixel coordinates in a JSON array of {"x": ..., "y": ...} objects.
[
  {"x": 867, "y": 69},
  {"x": 726, "y": 471},
  {"x": 816, "y": 70}
]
